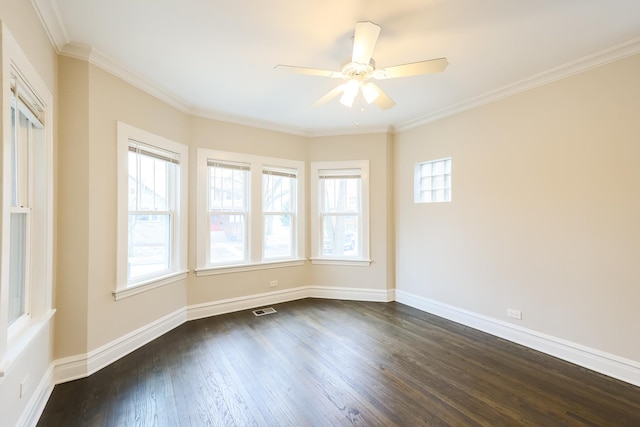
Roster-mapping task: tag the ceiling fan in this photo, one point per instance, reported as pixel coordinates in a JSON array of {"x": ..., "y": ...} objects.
[{"x": 362, "y": 68}]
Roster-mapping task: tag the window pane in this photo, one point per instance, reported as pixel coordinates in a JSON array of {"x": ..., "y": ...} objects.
[
  {"x": 149, "y": 182},
  {"x": 17, "y": 266},
  {"x": 340, "y": 235},
  {"x": 277, "y": 193},
  {"x": 278, "y": 236},
  {"x": 227, "y": 188},
  {"x": 149, "y": 244},
  {"x": 227, "y": 243},
  {"x": 433, "y": 184},
  {"x": 341, "y": 194}
]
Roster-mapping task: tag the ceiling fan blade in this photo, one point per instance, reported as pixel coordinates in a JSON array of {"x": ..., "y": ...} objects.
[
  {"x": 413, "y": 69},
  {"x": 383, "y": 101},
  {"x": 329, "y": 95},
  {"x": 364, "y": 41},
  {"x": 309, "y": 71}
]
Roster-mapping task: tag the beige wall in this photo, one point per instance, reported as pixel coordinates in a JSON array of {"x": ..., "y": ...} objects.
[
  {"x": 377, "y": 149},
  {"x": 73, "y": 191},
  {"x": 112, "y": 100},
  {"x": 216, "y": 135},
  {"x": 544, "y": 217}
]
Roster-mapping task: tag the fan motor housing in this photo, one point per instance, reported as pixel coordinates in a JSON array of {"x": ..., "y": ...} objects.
[{"x": 353, "y": 70}]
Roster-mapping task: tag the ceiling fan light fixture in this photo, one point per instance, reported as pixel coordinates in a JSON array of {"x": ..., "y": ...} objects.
[
  {"x": 350, "y": 93},
  {"x": 370, "y": 93}
]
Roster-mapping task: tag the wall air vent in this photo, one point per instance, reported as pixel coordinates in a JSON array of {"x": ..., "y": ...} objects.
[{"x": 263, "y": 311}]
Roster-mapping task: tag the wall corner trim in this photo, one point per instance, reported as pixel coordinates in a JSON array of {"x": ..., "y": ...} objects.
[{"x": 605, "y": 363}]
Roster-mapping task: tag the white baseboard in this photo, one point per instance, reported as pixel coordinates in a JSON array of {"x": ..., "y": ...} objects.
[
  {"x": 352, "y": 294},
  {"x": 608, "y": 364},
  {"x": 215, "y": 308},
  {"x": 83, "y": 365},
  {"x": 38, "y": 401}
]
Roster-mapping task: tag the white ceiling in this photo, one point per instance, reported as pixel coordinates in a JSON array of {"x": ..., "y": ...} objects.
[{"x": 215, "y": 58}]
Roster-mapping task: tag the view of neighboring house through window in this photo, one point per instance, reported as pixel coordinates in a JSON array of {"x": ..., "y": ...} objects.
[
  {"x": 341, "y": 228},
  {"x": 228, "y": 212},
  {"x": 250, "y": 211}
]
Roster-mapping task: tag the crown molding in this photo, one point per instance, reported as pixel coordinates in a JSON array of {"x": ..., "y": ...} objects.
[
  {"x": 99, "y": 59},
  {"x": 51, "y": 19},
  {"x": 585, "y": 63}
]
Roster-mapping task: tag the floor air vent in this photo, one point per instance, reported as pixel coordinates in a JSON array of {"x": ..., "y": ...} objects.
[{"x": 263, "y": 311}]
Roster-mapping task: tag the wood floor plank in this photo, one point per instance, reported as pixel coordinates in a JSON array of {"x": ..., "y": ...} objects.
[{"x": 339, "y": 363}]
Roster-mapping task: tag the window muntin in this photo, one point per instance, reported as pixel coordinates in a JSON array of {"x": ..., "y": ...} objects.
[
  {"x": 228, "y": 201},
  {"x": 279, "y": 189},
  {"x": 340, "y": 223},
  {"x": 433, "y": 181}
]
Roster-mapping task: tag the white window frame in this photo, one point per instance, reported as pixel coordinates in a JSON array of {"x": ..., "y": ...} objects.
[
  {"x": 18, "y": 72},
  {"x": 254, "y": 232},
  {"x": 269, "y": 171},
  {"x": 317, "y": 254},
  {"x": 420, "y": 186},
  {"x": 179, "y": 234}
]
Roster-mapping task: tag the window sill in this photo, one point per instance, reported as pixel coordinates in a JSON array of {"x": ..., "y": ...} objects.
[
  {"x": 337, "y": 261},
  {"x": 157, "y": 282},
  {"x": 210, "y": 271},
  {"x": 21, "y": 340}
]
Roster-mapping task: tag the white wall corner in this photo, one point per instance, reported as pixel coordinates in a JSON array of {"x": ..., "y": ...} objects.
[{"x": 605, "y": 363}]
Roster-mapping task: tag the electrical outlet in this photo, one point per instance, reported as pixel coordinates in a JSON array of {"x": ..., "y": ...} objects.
[
  {"x": 514, "y": 314},
  {"x": 23, "y": 387},
  {"x": 273, "y": 283}
]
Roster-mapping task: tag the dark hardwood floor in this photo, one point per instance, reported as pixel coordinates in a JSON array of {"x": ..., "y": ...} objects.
[{"x": 334, "y": 363}]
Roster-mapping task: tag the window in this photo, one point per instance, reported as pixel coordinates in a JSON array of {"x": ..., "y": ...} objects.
[
  {"x": 228, "y": 212},
  {"x": 278, "y": 209},
  {"x": 433, "y": 181},
  {"x": 26, "y": 131},
  {"x": 26, "y": 235},
  {"x": 249, "y": 212},
  {"x": 152, "y": 220},
  {"x": 340, "y": 203}
]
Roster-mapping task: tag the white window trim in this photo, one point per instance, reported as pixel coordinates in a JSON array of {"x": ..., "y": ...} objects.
[
  {"x": 254, "y": 229},
  {"x": 179, "y": 269},
  {"x": 317, "y": 256},
  {"x": 13, "y": 343}
]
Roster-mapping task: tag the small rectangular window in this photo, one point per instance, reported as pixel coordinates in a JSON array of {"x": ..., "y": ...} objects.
[{"x": 433, "y": 181}]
